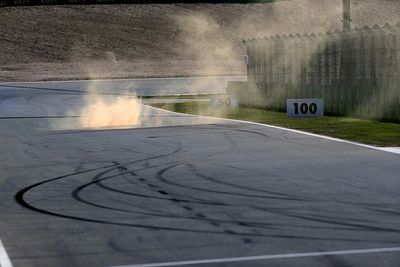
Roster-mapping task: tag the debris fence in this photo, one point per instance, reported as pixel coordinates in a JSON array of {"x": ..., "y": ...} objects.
[{"x": 356, "y": 73}]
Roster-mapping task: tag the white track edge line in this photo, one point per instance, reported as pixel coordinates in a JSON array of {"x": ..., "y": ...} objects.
[
  {"x": 4, "y": 259},
  {"x": 268, "y": 257},
  {"x": 285, "y": 129}
]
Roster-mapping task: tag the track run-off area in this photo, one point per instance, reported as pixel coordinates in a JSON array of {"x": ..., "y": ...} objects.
[{"x": 180, "y": 190}]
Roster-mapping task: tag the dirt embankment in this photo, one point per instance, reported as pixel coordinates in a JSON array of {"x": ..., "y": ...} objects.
[{"x": 124, "y": 41}]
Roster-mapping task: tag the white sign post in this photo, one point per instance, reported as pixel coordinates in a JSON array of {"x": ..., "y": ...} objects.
[{"x": 305, "y": 108}]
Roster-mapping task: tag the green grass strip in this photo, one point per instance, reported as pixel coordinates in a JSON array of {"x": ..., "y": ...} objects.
[{"x": 359, "y": 130}]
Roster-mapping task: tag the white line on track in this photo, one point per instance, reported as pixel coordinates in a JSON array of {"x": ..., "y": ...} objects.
[
  {"x": 268, "y": 257},
  {"x": 4, "y": 259},
  {"x": 394, "y": 151}
]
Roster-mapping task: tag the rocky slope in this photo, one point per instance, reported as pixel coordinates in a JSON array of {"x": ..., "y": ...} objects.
[{"x": 121, "y": 41}]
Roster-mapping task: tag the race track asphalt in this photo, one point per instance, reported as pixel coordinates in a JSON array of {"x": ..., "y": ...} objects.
[{"x": 181, "y": 188}]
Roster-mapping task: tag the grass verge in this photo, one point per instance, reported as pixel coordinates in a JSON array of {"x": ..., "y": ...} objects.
[{"x": 359, "y": 130}]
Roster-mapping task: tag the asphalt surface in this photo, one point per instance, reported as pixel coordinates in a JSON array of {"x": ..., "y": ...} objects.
[{"x": 181, "y": 188}]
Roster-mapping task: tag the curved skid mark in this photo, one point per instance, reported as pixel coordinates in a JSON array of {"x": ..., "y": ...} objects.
[
  {"x": 289, "y": 197},
  {"x": 198, "y": 174},
  {"x": 288, "y": 214},
  {"x": 76, "y": 194},
  {"x": 165, "y": 214},
  {"x": 232, "y": 147},
  {"x": 159, "y": 176},
  {"x": 98, "y": 181},
  {"x": 20, "y": 199}
]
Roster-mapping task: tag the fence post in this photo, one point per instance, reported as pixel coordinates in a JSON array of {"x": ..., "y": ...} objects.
[
  {"x": 391, "y": 105},
  {"x": 328, "y": 52},
  {"x": 327, "y": 60},
  {"x": 292, "y": 61},
  {"x": 303, "y": 64},
  {"x": 353, "y": 93},
  {"x": 380, "y": 69},
  {"x": 279, "y": 59},
  {"x": 248, "y": 69},
  {"x": 364, "y": 66},
  {"x": 396, "y": 74},
  {"x": 270, "y": 65},
  {"x": 250, "y": 47},
  {"x": 335, "y": 72},
  {"x": 322, "y": 55},
  {"x": 264, "y": 62},
  {"x": 310, "y": 66},
  {"x": 285, "y": 71},
  {"x": 281, "y": 74}
]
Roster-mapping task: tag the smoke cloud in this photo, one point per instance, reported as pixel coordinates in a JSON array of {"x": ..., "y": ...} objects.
[
  {"x": 103, "y": 107},
  {"x": 202, "y": 38},
  {"x": 101, "y": 111},
  {"x": 109, "y": 108}
]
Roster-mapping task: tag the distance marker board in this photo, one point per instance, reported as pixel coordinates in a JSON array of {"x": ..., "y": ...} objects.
[
  {"x": 223, "y": 101},
  {"x": 305, "y": 108}
]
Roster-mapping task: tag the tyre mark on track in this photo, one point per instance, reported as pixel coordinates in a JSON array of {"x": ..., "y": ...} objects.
[
  {"x": 97, "y": 180},
  {"x": 233, "y": 145},
  {"x": 175, "y": 197},
  {"x": 257, "y": 224},
  {"x": 197, "y": 216},
  {"x": 20, "y": 199},
  {"x": 160, "y": 176},
  {"x": 196, "y": 172},
  {"x": 38, "y": 117},
  {"x": 216, "y": 223},
  {"x": 355, "y": 226}
]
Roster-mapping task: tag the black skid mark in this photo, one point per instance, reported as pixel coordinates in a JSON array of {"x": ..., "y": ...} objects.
[
  {"x": 19, "y": 197},
  {"x": 272, "y": 194},
  {"x": 99, "y": 183},
  {"x": 247, "y": 240},
  {"x": 288, "y": 214},
  {"x": 97, "y": 180},
  {"x": 160, "y": 176},
  {"x": 192, "y": 167},
  {"x": 213, "y": 222}
]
